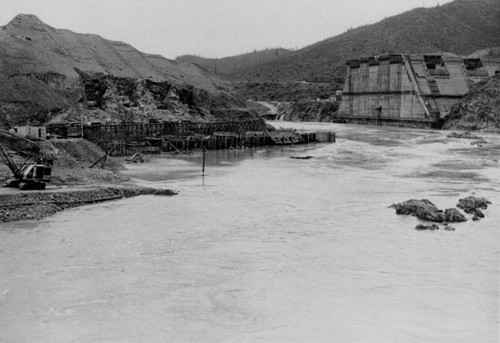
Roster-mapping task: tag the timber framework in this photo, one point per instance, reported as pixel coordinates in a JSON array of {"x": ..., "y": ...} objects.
[{"x": 180, "y": 137}]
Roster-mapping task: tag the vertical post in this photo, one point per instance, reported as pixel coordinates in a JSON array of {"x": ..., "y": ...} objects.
[{"x": 203, "y": 164}]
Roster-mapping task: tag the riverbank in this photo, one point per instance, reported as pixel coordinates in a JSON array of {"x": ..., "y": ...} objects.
[
  {"x": 37, "y": 205},
  {"x": 81, "y": 174}
]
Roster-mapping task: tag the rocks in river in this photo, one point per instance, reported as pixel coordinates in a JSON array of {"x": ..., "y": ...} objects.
[
  {"x": 452, "y": 215},
  {"x": 479, "y": 142},
  {"x": 430, "y": 213},
  {"x": 472, "y": 203},
  {"x": 477, "y": 214},
  {"x": 425, "y": 210},
  {"x": 411, "y": 206},
  {"x": 463, "y": 135},
  {"x": 422, "y": 209},
  {"x": 432, "y": 227},
  {"x": 301, "y": 157}
]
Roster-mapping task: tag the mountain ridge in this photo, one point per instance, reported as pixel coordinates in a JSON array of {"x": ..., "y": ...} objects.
[
  {"x": 459, "y": 27},
  {"x": 227, "y": 65},
  {"x": 46, "y": 73}
]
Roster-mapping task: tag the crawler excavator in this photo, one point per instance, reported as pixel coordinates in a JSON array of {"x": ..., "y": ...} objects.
[{"x": 35, "y": 169}]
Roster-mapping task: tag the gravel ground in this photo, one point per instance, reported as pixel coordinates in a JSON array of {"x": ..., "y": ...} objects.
[{"x": 36, "y": 205}]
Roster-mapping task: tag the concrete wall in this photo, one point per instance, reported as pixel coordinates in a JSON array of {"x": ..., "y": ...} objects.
[
  {"x": 456, "y": 84},
  {"x": 380, "y": 90},
  {"x": 409, "y": 87},
  {"x": 492, "y": 67}
]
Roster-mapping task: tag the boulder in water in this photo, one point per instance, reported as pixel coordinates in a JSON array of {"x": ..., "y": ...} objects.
[
  {"x": 301, "y": 157},
  {"x": 422, "y": 227},
  {"x": 422, "y": 209},
  {"x": 478, "y": 214},
  {"x": 453, "y": 215},
  {"x": 479, "y": 142},
  {"x": 471, "y": 204}
]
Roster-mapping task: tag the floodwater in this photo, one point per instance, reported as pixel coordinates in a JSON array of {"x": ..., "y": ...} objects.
[{"x": 269, "y": 249}]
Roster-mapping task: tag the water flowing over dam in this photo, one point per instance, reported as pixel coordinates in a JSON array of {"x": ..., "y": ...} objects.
[{"x": 269, "y": 248}]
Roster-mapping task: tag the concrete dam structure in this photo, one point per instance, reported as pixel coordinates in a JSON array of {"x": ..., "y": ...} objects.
[{"x": 409, "y": 90}]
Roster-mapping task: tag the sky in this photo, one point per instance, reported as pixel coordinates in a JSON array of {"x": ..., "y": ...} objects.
[{"x": 210, "y": 28}]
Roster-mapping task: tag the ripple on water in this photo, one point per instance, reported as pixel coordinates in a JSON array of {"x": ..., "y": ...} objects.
[{"x": 450, "y": 175}]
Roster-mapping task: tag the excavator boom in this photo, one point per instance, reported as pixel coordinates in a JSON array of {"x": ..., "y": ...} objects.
[
  {"x": 33, "y": 171},
  {"x": 9, "y": 162}
]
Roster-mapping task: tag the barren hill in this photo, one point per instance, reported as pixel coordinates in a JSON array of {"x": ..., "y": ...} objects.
[
  {"x": 227, "y": 65},
  {"x": 461, "y": 27},
  {"x": 49, "y": 74}
]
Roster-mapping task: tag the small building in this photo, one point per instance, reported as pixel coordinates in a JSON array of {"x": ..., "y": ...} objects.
[
  {"x": 31, "y": 131},
  {"x": 412, "y": 90}
]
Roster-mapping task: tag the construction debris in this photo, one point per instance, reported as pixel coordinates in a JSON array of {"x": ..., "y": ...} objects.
[{"x": 137, "y": 157}]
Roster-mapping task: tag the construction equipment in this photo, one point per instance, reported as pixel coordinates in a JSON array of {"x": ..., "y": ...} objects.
[{"x": 34, "y": 171}]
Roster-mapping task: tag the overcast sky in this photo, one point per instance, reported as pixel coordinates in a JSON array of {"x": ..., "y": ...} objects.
[{"x": 210, "y": 28}]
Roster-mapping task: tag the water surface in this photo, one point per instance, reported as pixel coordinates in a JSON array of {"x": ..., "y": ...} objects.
[{"x": 268, "y": 249}]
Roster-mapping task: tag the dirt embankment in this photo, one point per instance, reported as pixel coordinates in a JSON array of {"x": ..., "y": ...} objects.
[
  {"x": 73, "y": 159},
  {"x": 36, "y": 205},
  {"x": 479, "y": 110}
]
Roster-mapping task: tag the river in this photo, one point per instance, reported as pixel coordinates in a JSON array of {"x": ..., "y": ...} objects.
[{"x": 266, "y": 248}]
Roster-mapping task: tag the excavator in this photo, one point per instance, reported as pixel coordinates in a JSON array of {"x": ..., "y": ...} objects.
[{"x": 34, "y": 171}]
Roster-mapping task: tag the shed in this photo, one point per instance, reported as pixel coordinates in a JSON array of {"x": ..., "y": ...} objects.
[{"x": 31, "y": 131}]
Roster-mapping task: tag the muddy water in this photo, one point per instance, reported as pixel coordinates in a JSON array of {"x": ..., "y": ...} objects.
[{"x": 269, "y": 249}]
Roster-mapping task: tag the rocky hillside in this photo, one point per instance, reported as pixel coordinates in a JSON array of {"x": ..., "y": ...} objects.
[
  {"x": 479, "y": 110},
  {"x": 304, "y": 110},
  {"x": 49, "y": 74},
  {"x": 461, "y": 27}
]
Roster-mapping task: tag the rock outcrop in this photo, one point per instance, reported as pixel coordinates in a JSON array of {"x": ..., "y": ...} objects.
[
  {"x": 479, "y": 110},
  {"x": 49, "y": 74},
  {"x": 304, "y": 110}
]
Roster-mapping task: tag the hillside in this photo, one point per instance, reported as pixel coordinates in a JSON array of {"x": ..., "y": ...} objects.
[
  {"x": 49, "y": 74},
  {"x": 285, "y": 91},
  {"x": 486, "y": 54},
  {"x": 479, "y": 110},
  {"x": 228, "y": 65},
  {"x": 461, "y": 27}
]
